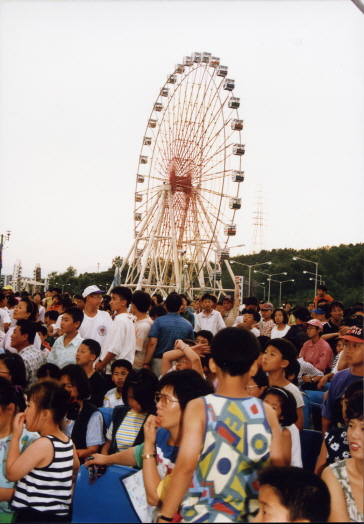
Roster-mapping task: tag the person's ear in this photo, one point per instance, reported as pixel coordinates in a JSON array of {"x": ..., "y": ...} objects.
[
  {"x": 212, "y": 365},
  {"x": 285, "y": 363},
  {"x": 10, "y": 409}
]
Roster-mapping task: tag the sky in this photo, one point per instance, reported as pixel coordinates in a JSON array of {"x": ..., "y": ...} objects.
[{"x": 78, "y": 81}]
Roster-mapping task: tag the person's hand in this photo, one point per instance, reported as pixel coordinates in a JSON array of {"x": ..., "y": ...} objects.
[
  {"x": 18, "y": 425},
  {"x": 305, "y": 378},
  {"x": 179, "y": 344},
  {"x": 201, "y": 349},
  {"x": 343, "y": 330},
  {"x": 150, "y": 430},
  {"x": 99, "y": 366},
  {"x": 146, "y": 366},
  {"x": 97, "y": 458},
  {"x": 322, "y": 381}
]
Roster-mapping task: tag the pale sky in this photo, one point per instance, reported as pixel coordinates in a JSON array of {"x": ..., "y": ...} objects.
[{"x": 78, "y": 81}]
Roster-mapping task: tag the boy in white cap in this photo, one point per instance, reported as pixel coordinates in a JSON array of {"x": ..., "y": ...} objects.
[
  {"x": 96, "y": 323},
  {"x": 316, "y": 351}
]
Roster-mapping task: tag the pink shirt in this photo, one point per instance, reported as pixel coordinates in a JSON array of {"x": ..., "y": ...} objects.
[{"x": 319, "y": 354}]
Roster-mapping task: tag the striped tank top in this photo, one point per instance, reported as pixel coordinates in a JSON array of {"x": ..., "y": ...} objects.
[{"x": 48, "y": 489}]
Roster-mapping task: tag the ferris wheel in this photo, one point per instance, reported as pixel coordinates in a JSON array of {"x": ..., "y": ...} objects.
[{"x": 188, "y": 181}]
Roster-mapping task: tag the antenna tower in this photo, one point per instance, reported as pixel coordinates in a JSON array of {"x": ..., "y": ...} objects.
[{"x": 258, "y": 242}]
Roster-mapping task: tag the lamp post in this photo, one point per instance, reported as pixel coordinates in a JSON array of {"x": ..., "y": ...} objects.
[
  {"x": 310, "y": 272},
  {"x": 269, "y": 279},
  {"x": 63, "y": 286},
  {"x": 280, "y": 282},
  {"x": 3, "y": 239},
  {"x": 321, "y": 281},
  {"x": 262, "y": 284},
  {"x": 250, "y": 270},
  {"x": 312, "y": 262}
]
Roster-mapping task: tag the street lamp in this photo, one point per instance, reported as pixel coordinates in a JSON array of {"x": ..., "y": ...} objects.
[
  {"x": 262, "y": 284},
  {"x": 321, "y": 281},
  {"x": 250, "y": 269},
  {"x": 270, "y": 276},
  {"x": 280, "y": 286},
  {"x": 310, "y": 272},
  {"x": 63, "y": 286},
  {"x": 2, "y": 242},
  {"x": 312, "y": 262}
]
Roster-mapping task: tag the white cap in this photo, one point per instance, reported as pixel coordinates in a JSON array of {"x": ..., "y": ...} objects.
[{"x": 91, "y": 290}]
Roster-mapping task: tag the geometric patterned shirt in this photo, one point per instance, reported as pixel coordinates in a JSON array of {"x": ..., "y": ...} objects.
[{"x": 33, "y": 359}]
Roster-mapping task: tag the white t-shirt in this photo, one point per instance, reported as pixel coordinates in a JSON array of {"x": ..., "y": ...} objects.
[
  {"x": 4, "y": 319},
  {"x": 5, "y": 343},
  {"x": 120, "y": 340},
  {"x": 96, "y": 327},
  {"x": 296, "y": 455},
  {"x": 41, "y": 313},
  {"x": 279, "y": 334},
  {"x": 212, "y": 322},
  {"x": 296, "y": 393}
]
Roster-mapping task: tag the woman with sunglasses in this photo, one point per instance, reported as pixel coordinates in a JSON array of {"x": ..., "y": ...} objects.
[{"x": 162, "y": 433}]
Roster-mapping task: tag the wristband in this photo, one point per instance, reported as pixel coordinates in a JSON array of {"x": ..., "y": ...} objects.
[
  {"x": 183, "y": 349},
  {"x": 148, "y": 455},
  {"x": 167, "y": 519}
]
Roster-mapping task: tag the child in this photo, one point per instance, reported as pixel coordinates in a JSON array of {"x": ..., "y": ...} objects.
[
  {"x": 8, "y": 409},
  {"x": 185, "y": 355},
  {"x": 48, "y": 371},
  {"x": 249, "y": 320},
  {"x": 257, "y": 384},
  {"x": 209, "y": 319},
  {"x": 119, "y": 371},
  {"x": 284, "y": 405},
  {"x": 204, "y": 338},
  {"x": 226, "y": 439},
  {"x": 44, "y": 470},
  {"x": 279, "y": 355},
  {"x": 43, "y": 334},
  {"x": 291, "y": 494},
  {"x": 140, "y": 304},
  {"x": 88, "y": 352},
  {"x": 50, "y": 319},
  {"x": 65, "y": 347}
]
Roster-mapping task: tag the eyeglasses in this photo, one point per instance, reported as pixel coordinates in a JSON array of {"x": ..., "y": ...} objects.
[
  {"x": 183, "y": 362},
  {"x": 255, "y": 386},
  {"x": 163, "y": 399}
]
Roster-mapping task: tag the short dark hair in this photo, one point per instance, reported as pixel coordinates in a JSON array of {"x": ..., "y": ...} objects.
[
  {"x": 263, "y": 342},
  {"x": 173, "y": 303},
  {"x": 209, "y": 296},
  {"x": 141, "y": 300},
  {"x": 205, "y": 333},
  {"x": 123, "y": 292},
  {"x": 159, "y": 298},
  {"x": 253, "y": 312},
  {"x": 234, "y": 350},
  {"x": 42, "y": 329},
  {"x": 49, "y": 370},
  {"x": 187, "y": 385},
  {"x": 251, "y": 301},
  {"x": 144, "y": 384},
  {"x": 157, "y": 311},
  {"x": 57, "y": 290},
  {"x": 79, "y": 297},
  {"x": 52, "y": 315},
  {"x": 76, "y": 313},
  {"x": 288, "y": 404},
  {"x": 27, "y": 328},
  {"x": 311, "y": 302},
  {"x": 66, "y": 302},
  {"x": 261, "y": 378},
  {"x": 16, "y": 367},
  {"x": 326, "y": 308},
  {"x": 304, "y": 494},
  {"x": 32, "y": 307},
  {"x": 78, "y": 379},
  {"x": 322, "y": 287},
  {"x": 302, "y": 314},
  {"x": 121, "y": 363},
  {"x": 286, "y": 348},
  {"x": 354, "y": 407},
  {"x": 93, "y": 346},
  {"x": 284, "y": 313}
]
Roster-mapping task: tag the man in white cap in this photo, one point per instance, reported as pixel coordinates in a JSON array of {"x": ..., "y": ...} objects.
[
  {"x": 316, "y": 351},
  {"x": 96, "y": 323}
]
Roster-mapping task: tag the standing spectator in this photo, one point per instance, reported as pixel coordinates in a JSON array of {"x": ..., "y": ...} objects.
[
  {"x": 311, "y": 306},
  {"x": 298, "y": 332},
  {"x": 140, "y": 304},
  {"x": 80, "y": 301},
  {"x": 120, "y": 369},
  {"x": 96, "y": 324},
  {"x": 185, "y": 313},
  {"x": 22, "y": 340},
  {"x": 87, "y": 353},
  {"x": 281, "y": 327},
  {"x": 47, "y": 301},
  {"x": 165, "y": 331},
  {"x": 249, "y": 321},
  {"x": 65, "y": 347},
  {"x": 316, "y": 351},
  {"x": 321, "y": 293},
  {"x": 266, "y": 311},
  {"x": 331, "y": 328},
  {"x": 120, "y": 341},
  {"x": 4, "y": 315},
  {"x": 230, "y": 306},
  {"x": 37, "y": 297},
  {"x": 208, "y": 319}
]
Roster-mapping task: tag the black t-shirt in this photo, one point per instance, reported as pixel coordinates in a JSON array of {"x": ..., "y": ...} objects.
[
  {"x": 329, "y": 328},
  {"x": 99, "y": 387}
]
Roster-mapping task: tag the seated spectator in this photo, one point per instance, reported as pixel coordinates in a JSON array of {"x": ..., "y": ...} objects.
[
  {"x": 65, "y": 347},
  {"x": 162, "y": 434},
  {"x": 119, "y": 371},
  {"x": 284, "y": 406},
  {"x": 332, "y": 326},
  {"x": 126, "y": 429},
  {"x": 12, "y": 368},
  {"x": 298, "y": 331},
  {"x": 281, "y": 327},
  {"x": 87, "y": 354},
  {"x": 22, "y": 340},
  {"x": 279, "y": 355},
  {"x": 322, "y": 313},
  {"x": 291, "y": 494},
  {"x": 345, "y": 478},
  {"x": 316, "y": 351},
  {"x": 85, "y": 425},
  {"x": 257, "y": 384},
  {"x": 48, "y": 372},
  {"x": 339, "y": 346}
]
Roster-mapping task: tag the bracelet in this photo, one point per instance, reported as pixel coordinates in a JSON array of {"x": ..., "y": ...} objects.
[
  {"x": 167, "y": 519},
  {"x": 311, "y": 379},
  {"x": 183, "y": 349},
  {"x": 148, "y": 455}
]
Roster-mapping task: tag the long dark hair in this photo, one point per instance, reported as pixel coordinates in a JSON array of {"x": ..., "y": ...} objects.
[{"x": 17, "y": 375}]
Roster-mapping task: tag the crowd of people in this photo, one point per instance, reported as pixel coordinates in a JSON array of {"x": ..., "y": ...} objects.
[{"x": 206, "y": 399}]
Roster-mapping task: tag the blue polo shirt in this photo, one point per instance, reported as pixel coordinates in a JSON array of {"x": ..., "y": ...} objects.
[{"x": 167, "y": 330}]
